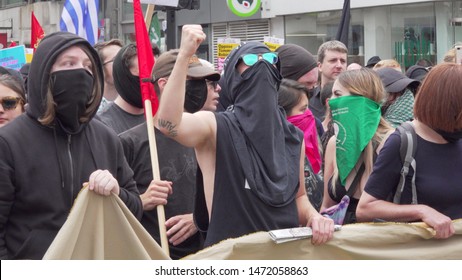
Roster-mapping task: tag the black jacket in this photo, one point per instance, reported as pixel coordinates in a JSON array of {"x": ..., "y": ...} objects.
[{"x": 42, "y": 169}]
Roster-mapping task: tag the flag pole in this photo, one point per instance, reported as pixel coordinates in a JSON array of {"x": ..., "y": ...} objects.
[
  {"x": 148, "y": 16},
  {"x": 146, "y": 62},
  {"x": 155, "y": 173},
  {"x": 155, "y": 161}
]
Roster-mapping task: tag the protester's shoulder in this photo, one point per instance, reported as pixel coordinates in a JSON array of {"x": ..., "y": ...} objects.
[
  {"x": 136, "y": 133},
  {"x": 107, "y": 112},
  {"x": 97, "y": 126},
  {"x": 15, "y": 128},
  {"x": 393, "y": 141}
]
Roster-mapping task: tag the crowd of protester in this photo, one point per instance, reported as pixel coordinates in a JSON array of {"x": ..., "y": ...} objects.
[{"x": 276, "y": 140}]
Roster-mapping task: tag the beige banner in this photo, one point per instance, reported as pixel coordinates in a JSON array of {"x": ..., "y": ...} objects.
[
  {"x": 102, "y": 228},
  {"x": 353, "y": 242}
]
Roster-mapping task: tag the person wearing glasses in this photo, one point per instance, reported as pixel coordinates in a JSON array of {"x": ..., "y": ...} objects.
[
  {"x": 177, "y": 163},
  {"x": 49, "y": 152},
  {"x": 107, "y": 51},
  {"x": 250, "y": 158},
  {"x": 12, "y": 98},
  {"x": 213, "y": 90},
  {"x": 127, "y": 110}
]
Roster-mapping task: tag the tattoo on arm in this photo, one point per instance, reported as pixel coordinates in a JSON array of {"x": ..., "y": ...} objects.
[{"x": 172, "y": 132}]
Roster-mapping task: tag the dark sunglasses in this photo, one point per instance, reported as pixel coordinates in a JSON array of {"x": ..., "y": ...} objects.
[
  {"x": 213, "y": 84},
  {"x": 250, "y": 59},
  {"x": 10, "y": 103}
]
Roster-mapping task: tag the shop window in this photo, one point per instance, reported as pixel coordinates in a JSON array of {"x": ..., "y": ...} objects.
[
  {"x": 413, "y": 33},
  {"x": 311, "y": 30}
]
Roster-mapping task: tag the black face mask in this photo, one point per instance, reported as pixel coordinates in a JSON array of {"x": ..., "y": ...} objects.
[
  {"x": 196, "y": 95},
  {"x": 71, "y": 91},
  {"x": 451, "y": 137}
]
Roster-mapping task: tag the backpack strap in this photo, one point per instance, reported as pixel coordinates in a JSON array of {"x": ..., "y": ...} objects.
[
  {"x": 407, "y": 153},
  {"x": 354, "y": 185}
]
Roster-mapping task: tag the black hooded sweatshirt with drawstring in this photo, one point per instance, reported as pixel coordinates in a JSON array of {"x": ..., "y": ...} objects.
[{"x": 42, "y": 168}]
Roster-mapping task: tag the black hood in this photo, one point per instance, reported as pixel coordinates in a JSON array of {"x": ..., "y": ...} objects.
[
  {"x": 268, "y": 146},
  {"x": 231, "y": 78},
  {"x": 50, "y": 47},
  {"x": 127, "y": 85}
]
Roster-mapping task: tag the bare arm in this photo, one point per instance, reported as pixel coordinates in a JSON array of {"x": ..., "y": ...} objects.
[
  {"x": 329, "y": 166},
  {"x": 370, "y": 208},
  {"x": 322, "y": 227},
  {"x": 188, "y": 129}
]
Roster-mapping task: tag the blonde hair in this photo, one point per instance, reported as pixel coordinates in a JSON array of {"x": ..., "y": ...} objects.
[
  {"x": 388, "y": 63},
  {"x": 365, "y": 82}
]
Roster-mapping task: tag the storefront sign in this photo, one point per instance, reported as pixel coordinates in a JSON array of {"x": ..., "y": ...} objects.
[
  {"x": 273, "y": 43},
  {"x": 244, "y": 8},
  {"x": 224, "y": 47}
]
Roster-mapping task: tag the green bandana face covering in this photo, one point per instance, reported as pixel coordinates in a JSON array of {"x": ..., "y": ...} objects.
[{"x": 356, "y": 119}]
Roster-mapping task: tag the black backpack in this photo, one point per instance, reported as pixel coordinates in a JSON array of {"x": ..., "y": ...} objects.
[{"x": 407, "y": 152}]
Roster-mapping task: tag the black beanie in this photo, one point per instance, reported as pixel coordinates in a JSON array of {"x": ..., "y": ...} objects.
[{"x": 295, "y": 61}]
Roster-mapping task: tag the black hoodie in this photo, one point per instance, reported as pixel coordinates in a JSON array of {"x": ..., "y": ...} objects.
[{"x": 42, "y": 169}]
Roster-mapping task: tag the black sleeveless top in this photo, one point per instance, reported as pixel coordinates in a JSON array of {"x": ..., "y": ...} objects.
[
  {"x": 340, "y": 192},
  {"x": 236, "y": 210}
]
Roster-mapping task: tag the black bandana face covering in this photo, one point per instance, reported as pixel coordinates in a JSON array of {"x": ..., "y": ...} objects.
[
  {"x": 196, "y": 95},
  {"x": 71, "y": 91}
]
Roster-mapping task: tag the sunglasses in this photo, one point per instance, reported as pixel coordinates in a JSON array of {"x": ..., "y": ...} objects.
[
  {"x": 251, "y": 58},
  {"x": 10, "y": 103}
]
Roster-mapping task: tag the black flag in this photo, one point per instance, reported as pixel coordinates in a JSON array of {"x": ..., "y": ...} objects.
[{"x": 343, "y": 27}]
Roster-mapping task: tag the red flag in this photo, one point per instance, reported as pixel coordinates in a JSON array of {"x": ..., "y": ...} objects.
[
  {"x": 13, "y": 44},
  {"x": 36, "y": 32},
  {"x": 145, "y": 57}
]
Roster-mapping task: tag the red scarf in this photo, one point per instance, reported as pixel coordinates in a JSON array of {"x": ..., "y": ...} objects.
[{"x": 307, "y": 124}]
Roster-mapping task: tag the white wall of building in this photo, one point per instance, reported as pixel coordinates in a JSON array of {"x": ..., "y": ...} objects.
[
  {"x": 272, "y": 8},
  {"x": 47, "y": 13}
]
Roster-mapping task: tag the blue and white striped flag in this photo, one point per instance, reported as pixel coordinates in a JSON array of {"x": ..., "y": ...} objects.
[{"x": 81, "y": 17}]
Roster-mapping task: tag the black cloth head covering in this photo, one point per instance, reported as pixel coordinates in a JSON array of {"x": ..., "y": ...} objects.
[
  {"x": 295, "y": 61},
  {"x": 126, "y": 84},
  {"x": 268, "y": 146},
  {"x": 231, "y": 62},
  {"x": 50, "y": 47}
]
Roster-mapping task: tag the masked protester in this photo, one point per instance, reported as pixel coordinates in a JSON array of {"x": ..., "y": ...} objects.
[
  {"x": 127, "y": 109},
  {"x": 49, "y": 152},
  {"x": 360, "y": 132},
  {"x": 250, "y": 157},
  {"x": 177, "y": 163},
  {"x": 437, "y": 160}
]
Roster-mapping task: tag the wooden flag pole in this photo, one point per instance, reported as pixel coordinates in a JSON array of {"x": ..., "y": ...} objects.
[
  {"x": 153, "y": 150},
  {"x": 148, "y": 16},
  {"x": 156, "y": 173}
]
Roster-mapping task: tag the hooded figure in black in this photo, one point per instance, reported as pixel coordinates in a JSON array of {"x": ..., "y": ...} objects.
[
  {"x": 49, "y": 152},
  {"x": 127, "y": 109},
  {"x": 257, "y": 155}
]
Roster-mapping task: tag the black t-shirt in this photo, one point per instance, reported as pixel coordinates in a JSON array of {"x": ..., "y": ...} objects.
[
  {"x": 438, "y": 178},
  {"x": 317, "y": 108},
  {"x": 117, "y": 119},
  {"x": 176, "y": 164}
]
